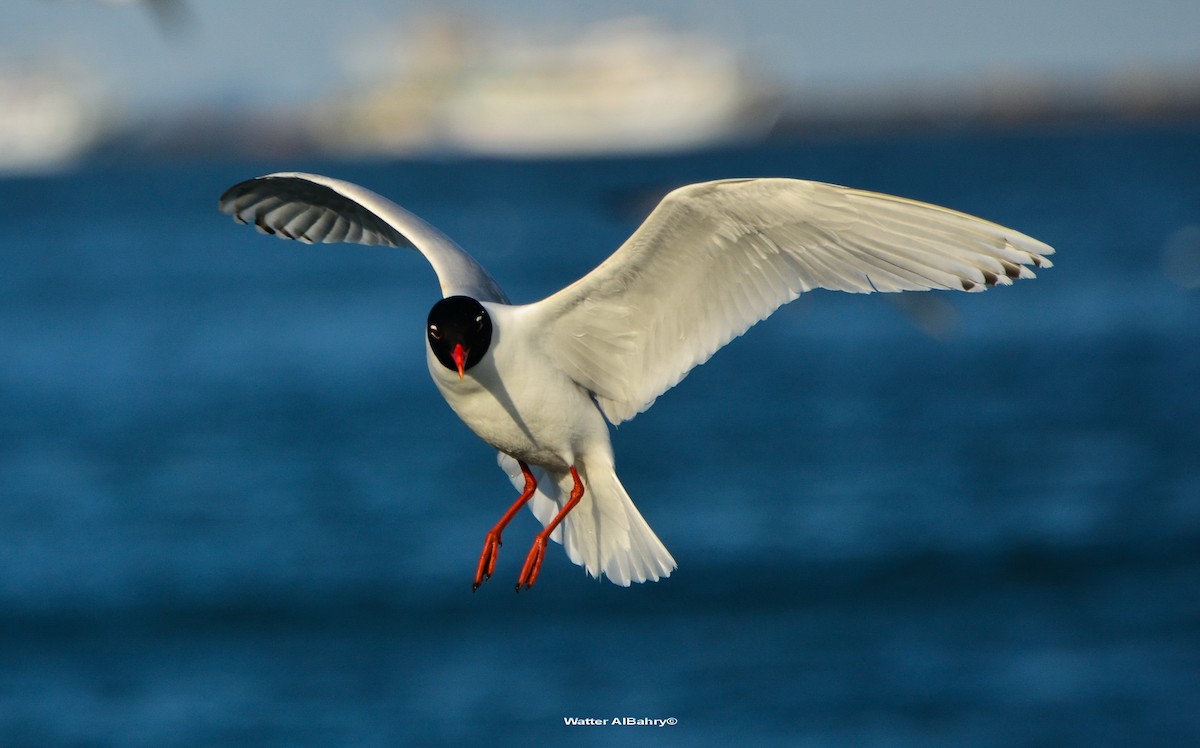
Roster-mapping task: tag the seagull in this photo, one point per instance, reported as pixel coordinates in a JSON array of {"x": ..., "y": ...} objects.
[{"x": 542, "y": 382}]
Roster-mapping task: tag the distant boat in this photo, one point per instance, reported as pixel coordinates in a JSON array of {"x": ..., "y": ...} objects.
[
  {"x": 619, "y": 87},
  {"x": 47, "y": 121}
]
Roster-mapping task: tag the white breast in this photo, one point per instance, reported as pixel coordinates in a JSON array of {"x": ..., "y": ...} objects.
[{"x": 519, "y": 402}]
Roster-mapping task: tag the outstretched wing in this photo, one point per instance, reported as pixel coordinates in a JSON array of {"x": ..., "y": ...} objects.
[
  {"x": 714, "y": 258},
  {"x": 312, "y": 208}
]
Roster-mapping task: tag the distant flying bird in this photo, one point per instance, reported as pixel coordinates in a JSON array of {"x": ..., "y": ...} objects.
[
  {"x": 541, "y": 382},
  {"x": 172, "y": 16}
]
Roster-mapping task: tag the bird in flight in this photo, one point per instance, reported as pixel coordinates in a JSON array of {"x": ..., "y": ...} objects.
[
  {"x": 541, "y": 382},
  {"x": 172, "y": 16}
]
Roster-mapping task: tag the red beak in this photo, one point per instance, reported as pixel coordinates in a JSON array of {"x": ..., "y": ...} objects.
[{"x": 460, "y": 357}]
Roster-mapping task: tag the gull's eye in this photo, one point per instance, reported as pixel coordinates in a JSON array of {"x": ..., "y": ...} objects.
[
  {"x": 479, "y": 322},
  {"x": 434, "y": 333}
]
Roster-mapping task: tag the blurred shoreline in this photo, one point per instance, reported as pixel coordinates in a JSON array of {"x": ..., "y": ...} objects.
[
  {"x": 1169, "y": 99},
  {"x": 1004, "y": 103},
  {"x": 447, "y": 86}
]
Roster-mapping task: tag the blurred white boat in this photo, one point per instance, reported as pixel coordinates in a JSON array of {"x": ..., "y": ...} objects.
[
  {"x": 626, "y": 86},
  {"x": 48, "y": 119}
]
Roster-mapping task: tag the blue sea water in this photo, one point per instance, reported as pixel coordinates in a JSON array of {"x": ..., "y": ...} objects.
[{"x": 234, "y": 510}]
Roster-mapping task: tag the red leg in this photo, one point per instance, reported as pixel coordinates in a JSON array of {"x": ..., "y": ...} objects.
[
  {"x": 491, "y": 542},
  {"x": 533, "y": 562}
]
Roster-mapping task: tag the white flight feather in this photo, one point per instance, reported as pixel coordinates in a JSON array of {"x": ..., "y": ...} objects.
[{"x": 714, "y": 258}]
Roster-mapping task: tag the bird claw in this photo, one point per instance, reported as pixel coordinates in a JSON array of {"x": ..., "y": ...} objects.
[
  {"x": 533, "y": 564},
  {"x": 487, "y": 559},
  {"x": 491, "y": 542}
]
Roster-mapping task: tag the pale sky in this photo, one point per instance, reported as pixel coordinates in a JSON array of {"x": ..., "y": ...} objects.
[{"x": 281, "y": 51}]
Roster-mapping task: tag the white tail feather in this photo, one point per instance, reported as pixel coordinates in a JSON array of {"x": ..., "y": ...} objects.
[{"x": 604, "y": 533}]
